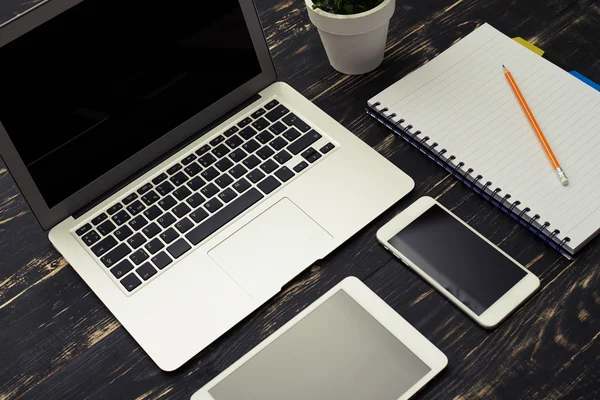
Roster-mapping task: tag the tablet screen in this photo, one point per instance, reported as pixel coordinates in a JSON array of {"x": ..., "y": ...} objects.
[{"x": 338, "y": 351}]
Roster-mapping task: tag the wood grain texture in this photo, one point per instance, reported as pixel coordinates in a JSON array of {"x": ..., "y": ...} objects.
[{"x": 57, "y": 340}]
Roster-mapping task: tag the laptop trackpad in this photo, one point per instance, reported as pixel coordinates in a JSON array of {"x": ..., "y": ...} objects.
[{"x": 271, "y": 249}]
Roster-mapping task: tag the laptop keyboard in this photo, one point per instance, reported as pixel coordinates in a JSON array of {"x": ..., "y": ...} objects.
[{"x": 151, "y": 228}]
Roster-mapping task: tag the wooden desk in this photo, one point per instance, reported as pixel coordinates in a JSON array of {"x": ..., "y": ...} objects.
[{"x": 57, "y": 340}]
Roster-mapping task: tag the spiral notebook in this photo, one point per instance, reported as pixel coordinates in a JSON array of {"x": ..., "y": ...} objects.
[{"x": 460, "y": 111}]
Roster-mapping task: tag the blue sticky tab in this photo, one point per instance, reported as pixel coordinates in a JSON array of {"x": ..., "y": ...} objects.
[{"x": 586, "y": 80}]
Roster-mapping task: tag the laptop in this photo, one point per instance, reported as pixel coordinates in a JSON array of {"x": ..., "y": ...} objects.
[{"x": 177, "y": 176}]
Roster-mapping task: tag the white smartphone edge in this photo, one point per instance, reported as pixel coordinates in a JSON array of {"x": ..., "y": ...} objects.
[
  {"x": 498, "y": 311},
  {"x": 380, "y": 310}
]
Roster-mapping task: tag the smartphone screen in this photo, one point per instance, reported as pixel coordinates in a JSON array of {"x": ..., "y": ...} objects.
[{"x": 459, "y": 260}]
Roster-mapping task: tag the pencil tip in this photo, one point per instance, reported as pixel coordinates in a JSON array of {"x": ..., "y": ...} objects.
[{"x": 503, "y": 66}]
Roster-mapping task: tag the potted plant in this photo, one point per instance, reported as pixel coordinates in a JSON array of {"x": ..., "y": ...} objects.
[{"x": 353, "y": 32}]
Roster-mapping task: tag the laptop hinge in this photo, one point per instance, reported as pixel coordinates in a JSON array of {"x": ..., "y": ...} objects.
[{"x": 163, "y": 157}]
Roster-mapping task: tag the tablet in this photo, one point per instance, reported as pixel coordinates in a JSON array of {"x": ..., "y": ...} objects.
[{"x": 349, "y": 344}]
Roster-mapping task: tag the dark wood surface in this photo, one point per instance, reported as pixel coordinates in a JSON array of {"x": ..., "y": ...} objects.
[{"x": 57, "y": 340}]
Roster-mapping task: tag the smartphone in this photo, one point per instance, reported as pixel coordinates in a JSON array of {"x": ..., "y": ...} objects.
[{"x": 482, "y": 280}]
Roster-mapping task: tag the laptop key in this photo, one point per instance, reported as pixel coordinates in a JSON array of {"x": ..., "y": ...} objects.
[
  {"x": 231, "y": 131},
  {"x": 258, "y": 113},
  {"x": 293, "y": 120},
  {"x": 210, "y": 174},
  {"x": 265, "y": 152},
  {"x": 174, "y": 169},
  {"x": 121, "y": 269},
  {"x": 121, "y": 217},
  {"x": 305, "y": 141},
  {"x": 136, "y": 240},
  {"x": 251, "y": 161},
  {"x": 196, "y": 183},
  {"x": 153, "y": 212},
  {"x": 238, "y": 171},
  {"x": 99, "y": 219},
  {"x": 169, "y": 235},
  {"x": 167, "y": 202},
  {"x": 188, "y": 159},
  {"x": 139, "y": 256},
  {"x": 106, "y": 227},
  {"x": 193, "y": 169},
  {"x": 83, "y": 229},
  {"x": 130, "y": 282},
  {"x": 255, "y": 175},
  {"x": 151, "y": 230},
  {"x": 130, "y": 198},
  {"x": 307, "y": 153},
  {"x": 284, "y": 174},
  {"x": 195, "y": 200},
  {"x": 178, "y": 248},
  {"x": 161, "y": 260},
  {"x": 179, "y": 179},
  {"x": 282, "y": 157},
  {"x": 164, "y": 188},
  {"x": 223, "y": 181},
  {"x": 218, "y": 220},
  {"x": 90, "y": 238},
  {"x": 279, "y": 143},
  {"x": 182, "y": 192},
  {"x": 115, "y": 255},
  {"x": 213, "y": 205},
  {"x": 234, "y": 141},
  {"x": 114, "y": 208},
  {"x": 207, "y": 160},
  {"x": 144, "y": 188},
  {"x": 146, "y": 271},
  {"x": 138, "y": 223},
  {"x": 277, "y": 113},
  {"x": 227, "y": 195},
  {"x": 136, "y": 207},
  {"x": 301, "y": 166},
  {"x": 104, "y": 245},
  {"x": 203, "y": 150},
  {"x": 166, "y": 220},
  {"x": 291, "y": 134},
  {"x": 260, "y": 124},
  {"x": 269, "y": 184},
  {"x": 271, "y": 104},
  {"x": 123, "y": 233},
  {"x": 269, "y": 166},
  {"x": 180, "y": 210},
  {"x": 244, "y": 122},
  {"x": 154, "y": 245},
  {"x": 327, "y": 148},
  {"x": 159, "y": 178},
  {"x": 224, "y": 164},
  {"x": 150, "y": 198},
  {"x": 277, "y": 128},
  {"x": 199, "y": 215},
  {"x": 184, "y": 225},
  {"x": 221, "y": 151},
  {"x": 209, "y": 190},
  {"x": 241, "y": 186},
  {"x": 238, "y": 155},
  {"x": 217, "y": 140},
  {"x": 251, "y": 146},
  {"x": 314, "y": 157},
  {"x": 247, "y": 133},
  {"x": 264, "y": 137}
]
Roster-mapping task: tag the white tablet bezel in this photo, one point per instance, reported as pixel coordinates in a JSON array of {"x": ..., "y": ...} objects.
[
  {"x": 491, "y": 317},
  {"x": 376, "y": 307}
]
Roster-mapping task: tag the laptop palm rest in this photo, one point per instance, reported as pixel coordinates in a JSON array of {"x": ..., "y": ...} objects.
[{"x": 270, "y": 250}]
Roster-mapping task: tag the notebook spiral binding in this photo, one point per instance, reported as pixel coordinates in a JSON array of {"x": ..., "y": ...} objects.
[{"x": 475, "y": 183}]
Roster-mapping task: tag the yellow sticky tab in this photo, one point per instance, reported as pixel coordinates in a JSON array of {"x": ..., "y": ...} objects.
[{"x": 528, "y": 45}]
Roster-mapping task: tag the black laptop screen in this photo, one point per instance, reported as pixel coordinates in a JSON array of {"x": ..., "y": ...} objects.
[{"x": 91, "y": 87}]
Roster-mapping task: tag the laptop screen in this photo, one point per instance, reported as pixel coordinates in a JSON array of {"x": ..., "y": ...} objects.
[{"x": 91, "y": 87}]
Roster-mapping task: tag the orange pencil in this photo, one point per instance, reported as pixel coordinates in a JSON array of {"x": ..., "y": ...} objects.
[{"x": 561, "y": 174}]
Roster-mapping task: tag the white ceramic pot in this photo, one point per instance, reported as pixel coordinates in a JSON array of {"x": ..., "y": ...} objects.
[{"x": 355, "y": 43}]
